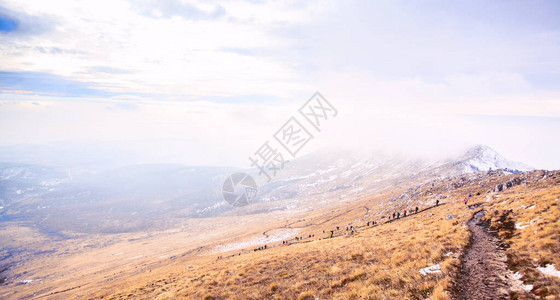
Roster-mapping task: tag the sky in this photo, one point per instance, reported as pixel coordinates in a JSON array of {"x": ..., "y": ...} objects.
[{"x": 208, "y": 82}]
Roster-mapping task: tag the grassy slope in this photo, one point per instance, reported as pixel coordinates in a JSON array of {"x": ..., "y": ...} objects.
[
  {"x": 379, "y": 262},
  {"x": 383, "y": 262},
  {"x": 536, "y": 240}
]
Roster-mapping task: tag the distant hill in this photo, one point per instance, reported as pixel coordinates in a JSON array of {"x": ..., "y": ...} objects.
[{"x": 133, "y": 197}]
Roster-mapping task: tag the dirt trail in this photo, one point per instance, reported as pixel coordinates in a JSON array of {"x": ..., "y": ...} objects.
[{"x": 484, "y": 271}]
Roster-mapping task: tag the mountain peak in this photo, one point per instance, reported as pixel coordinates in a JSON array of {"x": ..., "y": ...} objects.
[{"x": 484, "y": 158}]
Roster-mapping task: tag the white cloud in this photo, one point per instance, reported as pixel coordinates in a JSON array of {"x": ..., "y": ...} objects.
[
  {"x": 402, "y": 74},
  {"x": 167, "y": 56}
]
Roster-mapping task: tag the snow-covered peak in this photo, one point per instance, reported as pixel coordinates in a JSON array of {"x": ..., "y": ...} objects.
[{"x": 484, "y": 158}]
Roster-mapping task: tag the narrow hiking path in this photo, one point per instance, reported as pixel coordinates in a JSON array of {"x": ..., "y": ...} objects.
[{"x": 484, "y": 273}]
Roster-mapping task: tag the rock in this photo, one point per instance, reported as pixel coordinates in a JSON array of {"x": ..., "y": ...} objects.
[
  {"x": 450, "y": 217},
  {"x": 499, "y": 187}
]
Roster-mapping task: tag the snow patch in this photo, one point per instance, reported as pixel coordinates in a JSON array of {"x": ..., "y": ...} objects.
[
  {"x": 135, "y": 257},
  {"x": 519, "y": 226},
  {"x": 549, "y": 270},
  {"x": 430, "y": 270},
  {"x": 517, "y": 284},
  {"x": 255, "y": 241}
]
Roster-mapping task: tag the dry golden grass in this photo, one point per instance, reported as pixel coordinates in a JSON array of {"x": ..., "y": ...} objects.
[
  {"x": 536, "y": 240},
  {"x": 380, "y": 262},
  {"x": 376, "y": 263},
  {"x": 383, "y": 262}
]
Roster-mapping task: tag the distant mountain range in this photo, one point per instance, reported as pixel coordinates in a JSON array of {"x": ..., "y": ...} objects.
[{"x": 79, "y": 199}]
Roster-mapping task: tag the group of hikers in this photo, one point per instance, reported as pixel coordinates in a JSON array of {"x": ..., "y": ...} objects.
[
  {"x": 397, "y": 215},
  {"x": 298, "y": 238},
  {"x": 351, "y": 229},
  {"x": 260, "y": 248}
]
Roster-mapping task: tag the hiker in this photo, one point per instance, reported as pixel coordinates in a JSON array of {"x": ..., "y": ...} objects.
[
  {"x": 416, "y": 210},
  {"x": 346, "y": 228},
  {"x": 337, "y": 228},
  {"x": 404, "y": 215},
  {"x": 470, "y": 195},
  {"x": 437, "y": 202},
  {"x": 393, "y": 215},
  {"x": 466, "y": 200},
  {"x": 367, "y": 223},
  {"x": 332, "y": 233},
  {"x": 265, "y": 246},
  {"x": 398, "y": 215}
]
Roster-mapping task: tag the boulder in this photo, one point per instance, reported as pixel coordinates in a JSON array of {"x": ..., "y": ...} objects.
[{"x": 499, "y": 187}]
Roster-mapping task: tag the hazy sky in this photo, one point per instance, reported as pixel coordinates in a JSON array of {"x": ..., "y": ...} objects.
[{"x": 208, "y": 82}]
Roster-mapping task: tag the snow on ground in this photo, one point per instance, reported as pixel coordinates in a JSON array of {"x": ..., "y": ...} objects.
[
  {"x": 517, "y": 283},
  {"x": 135, "y": 257},
  {"x": 258, "y": 241},
  {"x": 430, "y": 270},
  {"x": 549, "y": 270},
  {"x": 27, "y": 281},
  {"x": 519, "y": 226}
]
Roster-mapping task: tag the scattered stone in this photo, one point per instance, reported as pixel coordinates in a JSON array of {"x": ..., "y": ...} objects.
[
  {"x": 450, "y": 217},
  {"x": 499, "y": 187}
]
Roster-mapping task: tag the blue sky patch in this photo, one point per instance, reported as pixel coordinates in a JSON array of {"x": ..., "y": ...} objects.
[
  {"x": 7, "y": 25},
  {"x": 45, "y": 83}
]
